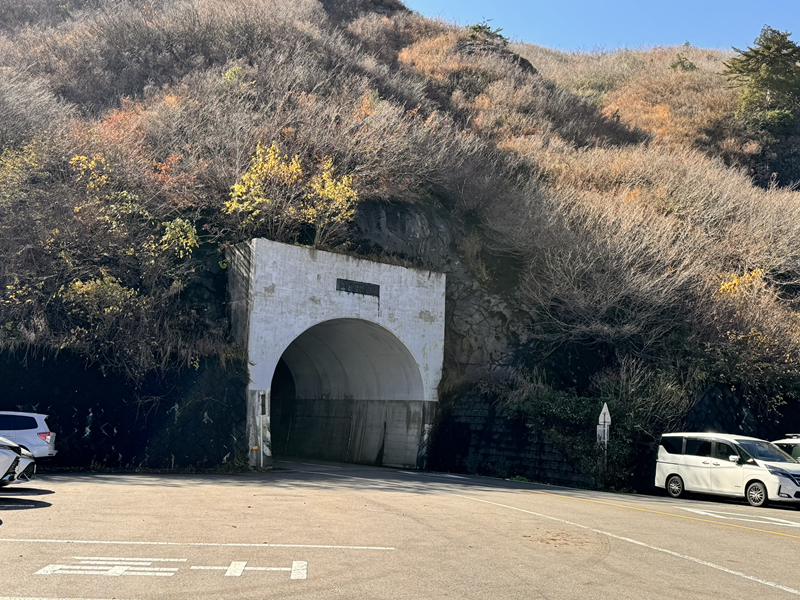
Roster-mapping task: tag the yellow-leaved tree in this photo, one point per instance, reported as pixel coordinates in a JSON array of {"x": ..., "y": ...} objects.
[
  {"x": 276, "y": 197},
  {"x": 329, "y": 204}
]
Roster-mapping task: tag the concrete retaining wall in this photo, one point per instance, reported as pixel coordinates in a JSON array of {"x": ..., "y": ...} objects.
[{"x": 471, "y": 437}]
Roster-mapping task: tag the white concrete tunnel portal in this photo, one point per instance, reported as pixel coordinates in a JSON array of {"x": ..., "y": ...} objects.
[{"x": 345, "y": 354}]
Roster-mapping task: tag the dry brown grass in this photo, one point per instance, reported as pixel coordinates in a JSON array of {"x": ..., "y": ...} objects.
[
  {"x": 385, "y": 36},
  {"x": 679, "y": 109},
  {"x": 635, "y": 251},
  {"x": 577, "y": 191},
  {"x": 646, "y": 90},
  {"x": 500, "y": 98}
]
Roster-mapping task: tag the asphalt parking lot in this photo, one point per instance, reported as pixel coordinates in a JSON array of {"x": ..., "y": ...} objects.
[{"x": 314, "y": 530}]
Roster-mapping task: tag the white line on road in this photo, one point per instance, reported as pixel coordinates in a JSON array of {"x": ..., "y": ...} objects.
[
  {"x": 299, "y": 569},
  {"x": 196, "y": 568},
  {"x": 109, "y": 571},
  {"x": 39, "y": 598},
  {"x": 440, "y": 475},
  {"x": 642, "y": 544},
  {"x": 116, "y": 559},
  {"x": 195, "y": 544},
  {"x": 329, "y": 474},
  {"x": 763, "y": 520},
  {"x": 236, "y": 569},
  {"x": 116, "y": 562}
]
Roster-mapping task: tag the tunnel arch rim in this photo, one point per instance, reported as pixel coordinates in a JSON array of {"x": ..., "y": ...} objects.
[{"x": 408, "y": 352}]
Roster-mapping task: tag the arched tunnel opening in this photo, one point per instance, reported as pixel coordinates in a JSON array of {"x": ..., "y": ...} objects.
[{"x": 348, "y": 390}]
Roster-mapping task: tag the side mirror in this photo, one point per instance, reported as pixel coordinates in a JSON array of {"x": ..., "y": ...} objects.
[{"x": 733, "y": 458}]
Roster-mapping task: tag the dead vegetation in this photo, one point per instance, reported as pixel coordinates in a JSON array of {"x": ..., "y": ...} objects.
[{"x": 614, "y": 187}]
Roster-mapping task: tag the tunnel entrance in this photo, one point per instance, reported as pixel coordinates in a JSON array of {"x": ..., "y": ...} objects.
[
  {"x": 344, "y": 354},
  {"x": 348, "y": 390}
]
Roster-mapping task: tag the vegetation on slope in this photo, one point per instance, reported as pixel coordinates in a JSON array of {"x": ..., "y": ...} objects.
[
  {"x": 739, "y": 105},
  {"x": 604, "y": 196}
]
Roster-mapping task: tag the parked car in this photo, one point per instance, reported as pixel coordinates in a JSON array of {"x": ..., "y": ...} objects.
[
  {"x": 9, "y": 458},
  {"x": 790, "y": 444},
  {"x": 29, "y": 430},
  {"x": 26, "y": 467},
  {"x": 727, "y": 465},
  {"x": 20, "y": 464}
]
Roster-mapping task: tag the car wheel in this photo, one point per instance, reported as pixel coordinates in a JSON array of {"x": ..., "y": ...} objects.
[
  {"x": 675, "y": 486},
  {"x": 757, "y": 494}
]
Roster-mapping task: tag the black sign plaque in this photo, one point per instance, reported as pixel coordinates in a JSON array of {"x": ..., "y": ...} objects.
[{"x": 358, "y": 287}]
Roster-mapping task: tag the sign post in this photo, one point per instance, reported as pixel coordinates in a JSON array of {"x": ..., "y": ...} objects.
[{"x": 603, "y": 430}]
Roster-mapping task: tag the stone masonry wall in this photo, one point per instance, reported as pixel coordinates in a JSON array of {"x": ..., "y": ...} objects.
[
  {"x": 186, "y": 420},
  {"x": 472, "y": 437}
]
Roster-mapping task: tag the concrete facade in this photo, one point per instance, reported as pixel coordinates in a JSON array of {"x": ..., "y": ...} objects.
[{"x": 360, "y": 343}]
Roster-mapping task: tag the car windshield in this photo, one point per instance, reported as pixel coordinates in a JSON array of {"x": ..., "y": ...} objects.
[{"x": 765, "y": 451}]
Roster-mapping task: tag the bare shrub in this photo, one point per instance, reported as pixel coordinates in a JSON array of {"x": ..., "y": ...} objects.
[
  {"x": 590, "y": 75},
  {"x": 345, "y": 10},
  {"x": 17, "y": 14},
  {"x": 26, "y": 107},
  {"x": 119, "y": 50},
  {"x": 386, "y": 36}
]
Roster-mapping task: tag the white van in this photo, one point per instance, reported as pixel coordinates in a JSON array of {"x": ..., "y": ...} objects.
[{"x": 727, "y": 465}]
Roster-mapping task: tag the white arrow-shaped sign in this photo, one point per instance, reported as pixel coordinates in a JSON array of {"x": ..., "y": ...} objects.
[
  {"x": 605, "y": 416},
  {"x": 603, "y": 425}
]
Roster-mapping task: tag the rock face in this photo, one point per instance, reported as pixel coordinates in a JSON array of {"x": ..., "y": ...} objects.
[
  {"x": 481, "y": 335},
  {"x": 489, "y": 46}
]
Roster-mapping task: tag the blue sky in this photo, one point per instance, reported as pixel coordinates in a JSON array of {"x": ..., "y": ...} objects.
[{"x": 590, "y": 25}]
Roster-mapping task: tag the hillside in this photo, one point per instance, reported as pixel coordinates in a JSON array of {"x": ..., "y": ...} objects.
[{"x": 604, "y": 238}]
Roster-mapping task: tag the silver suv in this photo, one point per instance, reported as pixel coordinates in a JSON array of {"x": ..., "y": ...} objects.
[{"x": 29, "y": 430}]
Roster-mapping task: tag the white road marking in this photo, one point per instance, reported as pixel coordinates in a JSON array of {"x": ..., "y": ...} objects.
[
  {"x": 299, "y": 570},
  {"x": 195, "y": 544},
  {"x": 113, "y": 567},
  {"x": 236, "y": 569},
  {"x": 109, "y": 571},
  {"x": 643, "y": 545},
  {"x": 329, "y": 474},
  {"x": 39, "y": 598},
  {"x": 115, "y": 559},
  {"x": 197, "y": 568},
  {"x": 442, "y": 475},
  {"x": 763, "y": 520},
  {"x": 108, "y": 562}
]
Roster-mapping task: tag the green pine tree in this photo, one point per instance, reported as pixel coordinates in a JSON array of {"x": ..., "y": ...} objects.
[{"x": 769, "y": 74}]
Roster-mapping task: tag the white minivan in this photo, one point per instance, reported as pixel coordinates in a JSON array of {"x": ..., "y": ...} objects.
[{"x": 727, "y": 465}]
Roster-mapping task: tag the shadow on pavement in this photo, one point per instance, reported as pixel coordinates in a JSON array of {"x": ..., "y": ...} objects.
[
  {"x": 21, "y": 504},
  {"x": 24, "y": 491},
  {"x": 296, "y": 474}
]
